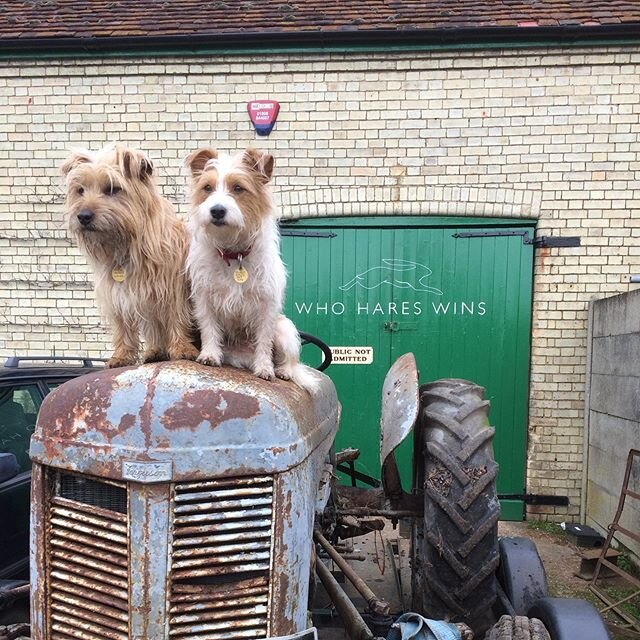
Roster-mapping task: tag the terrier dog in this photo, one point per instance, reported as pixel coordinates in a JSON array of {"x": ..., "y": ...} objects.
[
  {"x": 237, "y": 276},
  {"x": 136, "y": 246}
]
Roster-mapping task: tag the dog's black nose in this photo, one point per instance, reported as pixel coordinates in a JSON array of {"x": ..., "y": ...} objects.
[
  {"x": 85, "y": 217},
  {"x": 218, "y": 212}
]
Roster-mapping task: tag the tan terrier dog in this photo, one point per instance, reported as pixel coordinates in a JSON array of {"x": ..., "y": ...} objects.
[{"x": 137, "y": 248}]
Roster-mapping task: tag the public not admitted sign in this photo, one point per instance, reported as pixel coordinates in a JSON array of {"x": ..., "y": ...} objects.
[{"x": 351, "y": 355}]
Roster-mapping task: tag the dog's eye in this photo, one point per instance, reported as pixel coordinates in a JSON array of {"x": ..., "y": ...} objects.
[
  {"x": 238, "y": 189},
  {"x": 208, "y": 188},
  {"x": 80, "y": 190},
  {"x": 112, "y": 190}
]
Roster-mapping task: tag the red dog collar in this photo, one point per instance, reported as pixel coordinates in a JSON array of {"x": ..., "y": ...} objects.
[{"x": 227, "y": 256}]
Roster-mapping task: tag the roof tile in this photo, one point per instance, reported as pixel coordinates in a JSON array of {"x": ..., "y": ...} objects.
[{"x": 101, "y": 19}]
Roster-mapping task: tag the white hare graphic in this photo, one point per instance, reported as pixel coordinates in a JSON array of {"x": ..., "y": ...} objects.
[{"x": 377, "y": 276}]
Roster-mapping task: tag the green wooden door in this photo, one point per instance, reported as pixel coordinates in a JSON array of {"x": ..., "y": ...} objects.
[{"x": 375, "y": 288}]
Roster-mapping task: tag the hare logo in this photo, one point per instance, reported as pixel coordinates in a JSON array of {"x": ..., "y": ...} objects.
[{"x": 396, "y": 273}]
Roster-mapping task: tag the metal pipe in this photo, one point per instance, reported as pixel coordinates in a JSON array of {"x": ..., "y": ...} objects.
[
  {"x": 355, "y": 626},
  {"x": 16, "y": 592},
  {"x": 396, "y": 575},
  {"x": 376, "y": 605},
  {"x": 347, "y": 455},
  {"x": 384, "y": 513}
]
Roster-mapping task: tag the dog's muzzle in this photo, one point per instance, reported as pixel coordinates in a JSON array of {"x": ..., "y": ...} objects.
[
  {"x": 217, "y": 213},
  {"x": 85, "y": 217}
]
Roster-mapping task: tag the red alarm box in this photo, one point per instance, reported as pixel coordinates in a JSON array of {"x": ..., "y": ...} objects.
[{"x": 263, "y": 114}]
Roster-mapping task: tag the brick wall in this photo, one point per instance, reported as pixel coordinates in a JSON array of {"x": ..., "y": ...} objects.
[{"x": 549, "y": 134}]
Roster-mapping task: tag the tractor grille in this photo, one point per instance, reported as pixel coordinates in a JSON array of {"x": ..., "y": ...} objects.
[
  {"x": 87, "y": 551},
  {"x": 221, "y": 559}
]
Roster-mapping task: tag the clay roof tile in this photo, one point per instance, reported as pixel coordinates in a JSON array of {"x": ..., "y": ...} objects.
[{"x": 50, "y": 19}]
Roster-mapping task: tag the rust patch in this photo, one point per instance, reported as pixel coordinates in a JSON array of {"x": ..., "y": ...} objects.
[
  {"x": 213, "y": 406},
  {"x": 76, "y": 406},
  {"x": 541, "y": 256},
  {"x": 440, "y": 479},
  {"x": 127, "y": 421},
  {"x": 280, "y": 623},
  {"x": 350, "y": 497}
]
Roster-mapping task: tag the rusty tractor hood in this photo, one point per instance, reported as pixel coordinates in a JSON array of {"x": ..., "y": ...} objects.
[{"x": 181, "y": 421}]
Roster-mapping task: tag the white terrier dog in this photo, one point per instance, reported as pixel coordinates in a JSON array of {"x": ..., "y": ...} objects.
[{"x": 237, "y": 276}]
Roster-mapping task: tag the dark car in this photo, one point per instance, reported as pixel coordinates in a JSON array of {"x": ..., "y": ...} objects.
[{"x": 24, "y": 382}]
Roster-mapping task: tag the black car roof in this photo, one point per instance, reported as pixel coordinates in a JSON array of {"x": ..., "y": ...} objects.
[{"x": 46, "y": 367}]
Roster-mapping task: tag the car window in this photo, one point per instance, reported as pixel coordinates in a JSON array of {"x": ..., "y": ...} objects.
[
  {"x": 24, "y": 397},
  {"x": 53, "y": 384},
  {"x": 18, "y": 411}
]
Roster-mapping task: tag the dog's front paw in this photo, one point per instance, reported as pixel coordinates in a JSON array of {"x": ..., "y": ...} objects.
[
  {"x": 116, "y": 361},
  {"x": 154, "y": 355},
  {"x": 284, "y": 373},
  {"x": 265, "y": 373},
  {"x": 186, "y": 352},
  {"x": 209, "y": 360}
]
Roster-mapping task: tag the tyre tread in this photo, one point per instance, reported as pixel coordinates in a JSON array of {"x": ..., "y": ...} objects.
[
  {"x": 518, "y": 628},
  {"x": 459, "y": 533}
]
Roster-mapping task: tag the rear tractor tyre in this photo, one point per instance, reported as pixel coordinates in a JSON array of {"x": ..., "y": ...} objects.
[
  {"x": 518, "y": 628},
  {"x": 455, "y": 547}
]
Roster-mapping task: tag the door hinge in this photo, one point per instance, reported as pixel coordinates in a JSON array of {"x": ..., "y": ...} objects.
[
  {"x": 536, "y": 498},
  {"x": 556, "y": 241},
  {"x": 539, "y": 242},
  {"x": 307, "y": 234}
]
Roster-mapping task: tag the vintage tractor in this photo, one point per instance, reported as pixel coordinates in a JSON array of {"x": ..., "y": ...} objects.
[{"x": 179, "y": 501}]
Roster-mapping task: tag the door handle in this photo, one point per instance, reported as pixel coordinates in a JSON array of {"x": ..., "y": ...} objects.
[{"x": 394, "y": 326}]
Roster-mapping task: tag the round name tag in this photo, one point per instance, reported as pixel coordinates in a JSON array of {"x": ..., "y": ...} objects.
[
  {"x": 118, "y": 274},
  {"x": 240, "y": 275}
]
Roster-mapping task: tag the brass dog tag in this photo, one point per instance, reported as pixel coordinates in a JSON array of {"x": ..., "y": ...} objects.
[
  {"x": 118, "y": 274},
  {"x": 240, "y": 275}
]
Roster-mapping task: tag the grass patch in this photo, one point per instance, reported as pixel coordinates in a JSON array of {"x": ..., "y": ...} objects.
[
  {"x": 632, "y": 607},
  {"x": 552, "y": 528},
  {"x": 626, "y": 564}
]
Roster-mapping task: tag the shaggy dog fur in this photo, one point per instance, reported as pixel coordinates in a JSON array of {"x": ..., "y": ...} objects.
[
  {"x": 136, "y": 246},
  {"x": 234, "y": 230}
]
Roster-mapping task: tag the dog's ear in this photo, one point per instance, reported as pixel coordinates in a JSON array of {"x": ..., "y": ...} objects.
[
  {"x": 197, "y": 160},
  {"x": 76, "y": 158},
  {"x": 260, "y": 163},
  {"x": 134, "y": 164}
]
